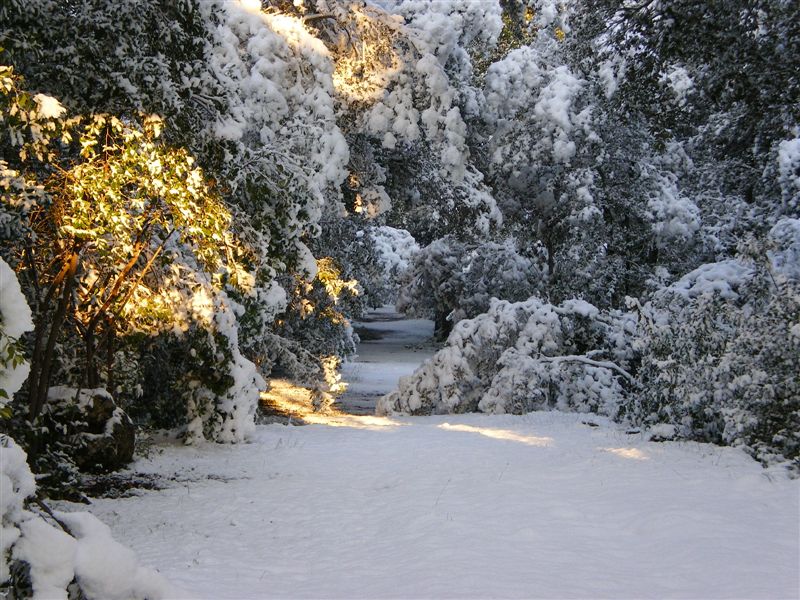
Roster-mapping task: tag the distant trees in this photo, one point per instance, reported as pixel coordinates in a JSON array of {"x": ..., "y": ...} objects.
[{"x": 450, "y": 280}]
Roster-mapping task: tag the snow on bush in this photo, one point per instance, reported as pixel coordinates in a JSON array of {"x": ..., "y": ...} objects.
[
  {"x": 278, "y": 79},
  {"x": 789, "y": 172},
  {"x": 523, "y": 356},
  {"x": 84, "y": 556},
  {"x": 724, "y": 278},
  {"x": 784, "y": 254},
  {"x": 396, "y": 249},
  {"x": 445, "y": 28},
  {"x": 433, "y": 64},
  {"x": 673, "y": 216},
  {"x": 228, "y": 416},
  {"x": 719, "y": 352},
  {"x": 679, "y": 82},
  {"x": 536, "y": 109},
  {"x": 16, "y": 484},
  {"x": 15, "y": 319}
]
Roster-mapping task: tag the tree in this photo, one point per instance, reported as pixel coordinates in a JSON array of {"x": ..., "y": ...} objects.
[
  {"x": 723, "y": 74},
  {"x": 121, "y": 234}
]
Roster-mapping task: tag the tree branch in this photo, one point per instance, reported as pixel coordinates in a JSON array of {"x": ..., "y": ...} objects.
[{"x": 588, "y": 361}]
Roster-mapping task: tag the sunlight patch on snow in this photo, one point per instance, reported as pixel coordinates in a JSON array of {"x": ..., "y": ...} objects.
[
  {"x": 251, "y": 6},
  {"x": 500, "y": 434},
  {"x": 630, "y": 453},
  {"x": 337, "y": 419},
  {"x": 294, "y": 401}
]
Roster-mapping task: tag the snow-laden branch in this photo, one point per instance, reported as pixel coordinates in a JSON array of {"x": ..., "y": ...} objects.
[{"x": 604, "y": 364}]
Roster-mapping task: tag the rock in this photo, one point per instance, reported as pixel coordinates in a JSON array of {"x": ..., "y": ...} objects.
[
  {"x": 662, "y": 432},
  {"x": 110, "y": 450},
  {"x": 104, "y": 436},
  {"x": 99, "y": 410}
]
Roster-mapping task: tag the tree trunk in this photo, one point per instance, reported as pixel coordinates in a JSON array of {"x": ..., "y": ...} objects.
[
  {"x": 42, "y": 360},
  {"x": 91, "y": 378},
  {"x": 442, "y": 326}
]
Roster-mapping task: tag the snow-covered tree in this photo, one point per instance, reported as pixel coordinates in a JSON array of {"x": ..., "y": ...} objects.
[
  {"x": 720, "y": 350},
  {"x": 450, "y": 280},
  {"x": 15, "y": 320},
  {"x": 523, "y": 356},
  {"x": 117, "y": 202}
]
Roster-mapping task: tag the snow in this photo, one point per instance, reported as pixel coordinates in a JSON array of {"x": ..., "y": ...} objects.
[
  {"x": 513, "y": 82},
  {"x": 553, "y": 107},
  {"x": 464, "y": 506},
  {"x": 15, "y": 319},
  {"x": 396, "y": 248},
  {"x": 785, "y": 253},
  {"x": 16, "y": 484},
  {"x": 722, "y": 277},
  {"x": 280, "y": 95},
  {"x": 105, "y": 569},
  {"x": 237, "y": 406},
  {"x": 662, "y": 430},
  {"x": 581, "y": 308},
  {"x": 610, "y": 74},
  {"x": 543, "y": 505},
  {"x": 51, "y": 554},
  {"x": 49, "y": 107},
  {"x": 680, "y": 83},
  {"x": 15, "y": 315},
  {"x": 674, "y": 217},
  {"x": 789, "y": 166},
  {"x": 81, "y": 397},
  {"x": 537, "y": 109},
  {"x": 86, "y": 552}
]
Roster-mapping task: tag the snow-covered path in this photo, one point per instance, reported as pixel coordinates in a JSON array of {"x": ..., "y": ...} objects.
[
  {"x": 538, "y": 506},
  {"x": 392, "y": 348}
]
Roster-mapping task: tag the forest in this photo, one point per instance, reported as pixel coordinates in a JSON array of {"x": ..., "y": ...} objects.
[{"x": 596, "y": 204}]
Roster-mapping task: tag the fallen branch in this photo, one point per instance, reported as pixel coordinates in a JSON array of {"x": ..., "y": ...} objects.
[
  {"x": 588, "y": 361},
  {"x": 40, "y": 503}
]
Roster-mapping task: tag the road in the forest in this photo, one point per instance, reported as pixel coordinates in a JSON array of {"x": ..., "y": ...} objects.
[{"x": 391, "y": 347}]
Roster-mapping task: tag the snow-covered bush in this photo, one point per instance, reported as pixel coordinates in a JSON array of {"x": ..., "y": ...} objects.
[
  {"x": 15, "y": 319},
  {"x": 450, "y": 280},
  {"x": 193, "y": 377},
  {"x": 720, "y": 351},
  {"x": 404, "y": 68},
  {"x": 789, "y": 173},
  {"x": 225, "y": 414},
  {"x": 62, "y": 555},
  {"x": 94, "y": 432},
  {"x": 395, "y": 249},
  {"x": 524, "y": 356}
]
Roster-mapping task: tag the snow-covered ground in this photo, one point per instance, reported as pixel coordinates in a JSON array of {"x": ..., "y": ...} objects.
[{"x": 538, "y": 506}]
